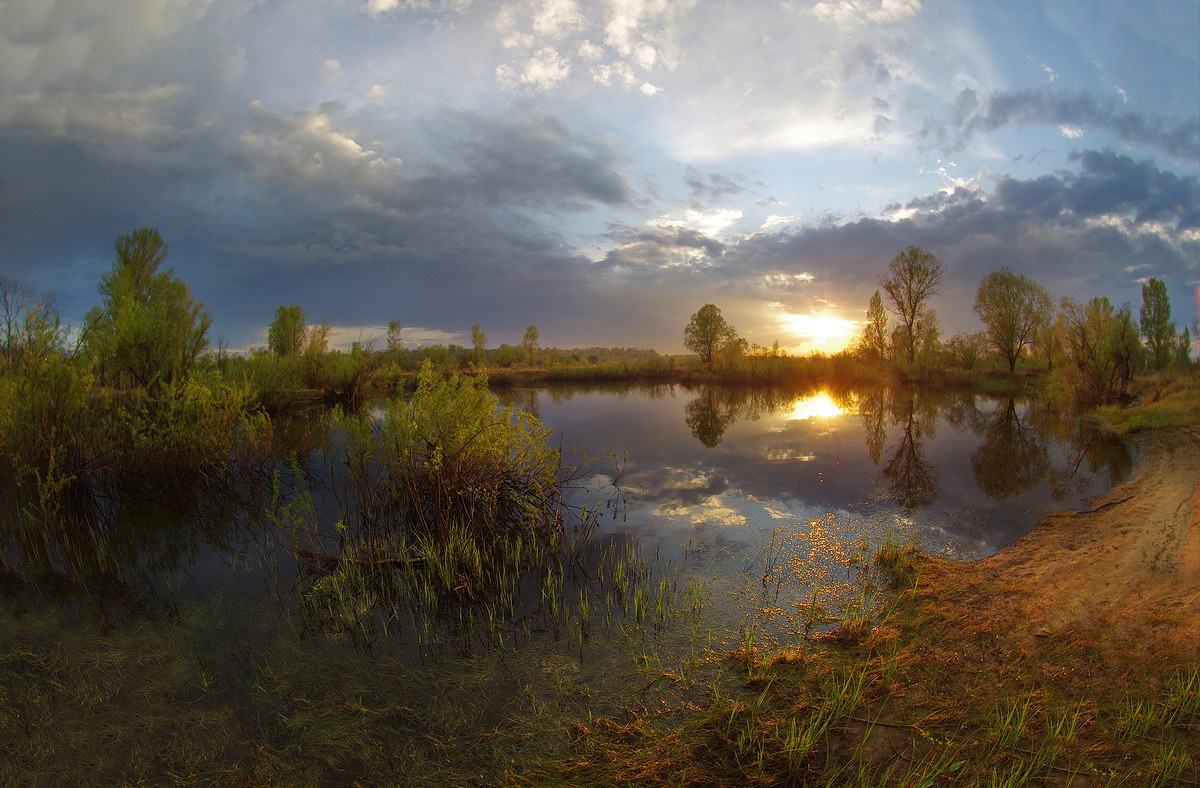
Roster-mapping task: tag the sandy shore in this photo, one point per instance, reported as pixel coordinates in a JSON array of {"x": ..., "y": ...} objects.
[{"x": 1125, "y": 575}]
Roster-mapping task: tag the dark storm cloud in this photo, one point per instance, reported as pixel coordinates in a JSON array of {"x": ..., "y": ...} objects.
[
  {"x": 1091, "y": 232},
  {"x": 710, "y": 186},
  {"x": 969, "y": 116},
  {"x": 276, "y": 210},
  {"x": 532, "y": 161}
]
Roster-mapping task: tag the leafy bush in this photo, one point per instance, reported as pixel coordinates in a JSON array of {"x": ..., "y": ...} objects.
[{"x": 451, "y": 457}]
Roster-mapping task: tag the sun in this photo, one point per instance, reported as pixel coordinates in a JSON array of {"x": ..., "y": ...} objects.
[{"x": 822, "y": 331}]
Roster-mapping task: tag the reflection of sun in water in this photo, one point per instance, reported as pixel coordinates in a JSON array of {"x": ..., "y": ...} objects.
[{"x": 819, "y": 406}]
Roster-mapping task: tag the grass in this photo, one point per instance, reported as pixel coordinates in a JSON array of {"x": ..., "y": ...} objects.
[
  {"x": 928, "y": 693},
  {"x": 1166, "y": 398}
]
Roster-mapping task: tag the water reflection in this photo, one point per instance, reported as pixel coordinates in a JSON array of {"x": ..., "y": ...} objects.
[
  {"x": 1012, "y": 457},
  {"x": 912, "y": 478},
  {"x": 707, "y": 416},
  {"x": 817, "y": 406},
  {"x": 1010, "y": 450}
]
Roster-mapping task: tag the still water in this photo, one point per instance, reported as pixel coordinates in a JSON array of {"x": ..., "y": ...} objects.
[{"x": 183, "y": 624}]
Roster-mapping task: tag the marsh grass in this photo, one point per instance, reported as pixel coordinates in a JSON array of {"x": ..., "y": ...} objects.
[{"x": 921, "y": 692}]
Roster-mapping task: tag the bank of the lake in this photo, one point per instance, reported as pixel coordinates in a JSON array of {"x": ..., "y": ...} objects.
[{"x": 1072, "y": 657}]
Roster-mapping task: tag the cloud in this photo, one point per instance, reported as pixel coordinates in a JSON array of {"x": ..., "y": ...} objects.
[
  {"x": 450, "y": 7},
  {"x": 970, "y": 117},
  {"x": 633, "y": 38},
  {"x": 543, "y": 71},
  {"x": 854, "y": 13}
]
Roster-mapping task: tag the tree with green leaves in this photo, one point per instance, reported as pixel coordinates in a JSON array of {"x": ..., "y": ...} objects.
[
  {"x": 916, "y": 276},
  {"x": 148, "y": 329},
  {"x": 1103, "y": 344},
  {"x": 478, "y": 343},
  {"x": 1183, "y": 348},
  {"x": 875, "y": 332},
  {"x": 1157, "y": 328},
  {"x": 1013, "y": 308},
  {"x": 529, "y": 344},
  {"x": 966, "y": 348},
  {"x": 286, "y": 334},
  {"x": 707, "y": 333},
  {"x": 394, "y": 345}
]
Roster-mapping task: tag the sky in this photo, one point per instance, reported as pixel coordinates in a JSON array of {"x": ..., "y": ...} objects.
[{"x": 599, "y": 169}]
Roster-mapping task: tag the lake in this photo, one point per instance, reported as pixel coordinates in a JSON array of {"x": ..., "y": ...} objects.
[{"x": 199, "y": 625}]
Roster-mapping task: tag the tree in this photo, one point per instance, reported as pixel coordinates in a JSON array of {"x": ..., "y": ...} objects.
[
  {"x": 916, "y": 277},
  {"x": 285, "y": 335},
  {"x": 967, "y": 348},
  {"x": 529, "y": 344},
  {"x": 875, "y": 333},
  {"x": 1102, "y": 343},
  {"x": 1183, "y": 349},
  {"x": 1157, "y": 328},
  {"x": 707, "y": 332},
  {"x": 148, "y": 330},
  {"x": 478, "y": 342},
  {"x": 394, "y": 345},
  {"x": 1013, "y": 308},
  {"x": 507, "y": 355}
]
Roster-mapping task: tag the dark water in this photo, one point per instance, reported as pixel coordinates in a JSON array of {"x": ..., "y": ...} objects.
[{"x": 737, "y": 513}]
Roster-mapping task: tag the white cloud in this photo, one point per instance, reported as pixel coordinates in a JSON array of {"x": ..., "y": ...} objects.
[
  {"x": 1071, "y": 132},
  {"x": 546, "y": 69},
  {"x": 589, "y": 51},
  {"x": 377, "y": 7},
  {"x": 333, "y": 72},
  {"x": 852, "y": 13},
  {"x": 376, "y": 91},
  {"x": 650, "y": 90},
  {"x": 555, "y": 19},
  {"x": 778, "y": 220},
  {"x": 614, "y": 74},
  {"x": 305, "y": 147},
  {"x": 709, "y": 222}
]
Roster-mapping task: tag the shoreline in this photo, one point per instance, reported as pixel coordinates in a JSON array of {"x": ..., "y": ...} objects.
[{"x": 1123, "y": 577}]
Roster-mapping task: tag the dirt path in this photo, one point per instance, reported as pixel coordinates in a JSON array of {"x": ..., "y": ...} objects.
[{"x": 1128, "y": 570}]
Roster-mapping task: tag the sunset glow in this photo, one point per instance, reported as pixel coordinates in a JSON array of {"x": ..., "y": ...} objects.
[
  {"x": 820, "y": 406},
  {"x": 825, "y": 332}
]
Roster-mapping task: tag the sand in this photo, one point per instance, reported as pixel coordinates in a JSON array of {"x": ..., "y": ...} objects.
[{"x": 1128, "y": 570}]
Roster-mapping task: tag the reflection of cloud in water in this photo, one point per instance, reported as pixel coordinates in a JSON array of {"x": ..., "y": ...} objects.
[
  {"x": 789, "y": 453},
  {"x": 712, "y": 510},
  {"x": 677, "y": 486}
]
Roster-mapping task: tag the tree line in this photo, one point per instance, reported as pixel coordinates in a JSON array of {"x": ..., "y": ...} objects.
[{"x": 1091, "y": 348}]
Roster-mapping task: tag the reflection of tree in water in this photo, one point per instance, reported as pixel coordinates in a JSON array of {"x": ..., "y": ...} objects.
[
  {"x": 873, "y": 409},
  {"x": 1104, "y": 453},
  {"x": 912, "y": 480},
  {"x": 717, "y": 407},
  {"x": 961, "y": 411},
  {"x": 1012, "y": 457},
  {"x": 708, "y": 417}
]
